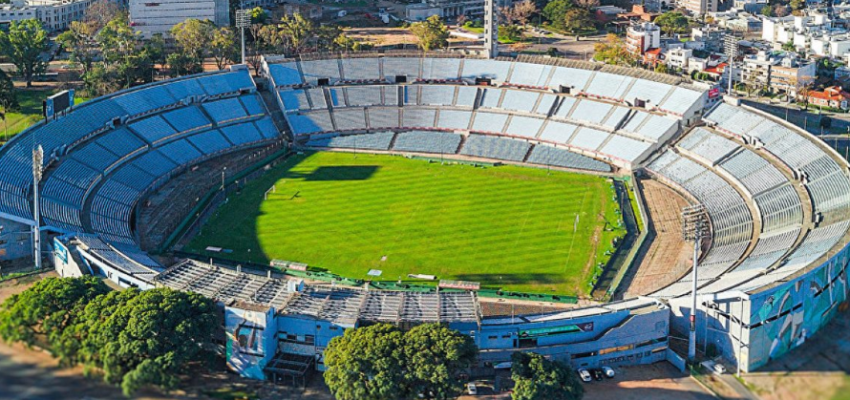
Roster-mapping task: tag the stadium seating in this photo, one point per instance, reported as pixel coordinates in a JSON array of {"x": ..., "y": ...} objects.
[
  {"x": 372, "y": 141},
  {"x": 113, "y": 166},
  {"x": 548, "y": 155},
  {"x": 427, "y": 142},
  {"x": 495, "y": 147}
]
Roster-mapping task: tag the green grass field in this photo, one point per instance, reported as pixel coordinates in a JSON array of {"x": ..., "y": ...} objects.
[
  {"x": 508, "y": 227},
  {"x": 29, "y": 111}
]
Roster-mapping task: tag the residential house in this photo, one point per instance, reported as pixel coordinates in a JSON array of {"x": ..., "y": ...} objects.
[{"x": 834, "y": 97}]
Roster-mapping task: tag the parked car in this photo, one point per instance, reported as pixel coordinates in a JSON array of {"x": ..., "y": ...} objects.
[
  {"x": 471, "y": 389},
  {"x": 584, "y": 375},
  {"x": 597, "y": 374},
  {"x": 609, "y": 372}
]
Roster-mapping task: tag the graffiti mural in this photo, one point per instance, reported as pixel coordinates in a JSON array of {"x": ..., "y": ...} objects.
[
  {"x": 249, "y": 342},
  {"x": 786, "y": 316}
]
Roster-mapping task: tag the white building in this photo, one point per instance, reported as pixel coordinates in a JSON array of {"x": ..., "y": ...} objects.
[
  {"x": 778, "y": 71},
  {"x": 641, "y": 37},
  {"x": 678, "y": 57},
  {"x": 698, "y": 7},
  {"x": 813, "y": 33},
  {"x": 159, "y": 16},
  {"x": 54, "y": 15}
]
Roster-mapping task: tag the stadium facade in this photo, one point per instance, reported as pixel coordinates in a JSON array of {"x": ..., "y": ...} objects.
[{"x": 772, "y": 272}]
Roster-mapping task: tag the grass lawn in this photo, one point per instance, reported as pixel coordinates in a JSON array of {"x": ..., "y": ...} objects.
[
  {"x": 29, "y": 112},
  {"x": 507, "y": 226}
]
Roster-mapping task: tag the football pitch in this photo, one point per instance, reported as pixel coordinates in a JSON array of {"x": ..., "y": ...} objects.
[{"x": 515, "y": 228}]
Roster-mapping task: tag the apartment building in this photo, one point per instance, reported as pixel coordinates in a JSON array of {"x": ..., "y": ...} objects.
[
  {"x": 698, "y": 8},
  {"x": 778, "y": 71},
  {"x": 641, "y": 37},
  {"x": 158, "y": 16},
  {"x": 55, "y": 15}
]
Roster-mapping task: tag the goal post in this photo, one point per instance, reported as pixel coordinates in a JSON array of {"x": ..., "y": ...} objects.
[{"x": 272, "y": 189}]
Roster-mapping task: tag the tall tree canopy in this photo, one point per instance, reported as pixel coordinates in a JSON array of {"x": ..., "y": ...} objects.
[
  {"x": 365, "y": 364},
  {"x": 434, "y": 356},
  {"x": 134, "y": 338},
  {"x": 25, "y": 45},
  {"x": 150, "y": 337},
  {"x": 432, "y": 33},
  {"x": 380, "y": 362},
  {"x": 578, "y": 20},
  {"x": 193, "y": 36},
  {"x": 555, "y": 11},
  {"x": 79, "y": 40},
  {"x": 537, "y": 378},
  {"x": 39, "y": 314},
  {"x": 672, "y": 22}
]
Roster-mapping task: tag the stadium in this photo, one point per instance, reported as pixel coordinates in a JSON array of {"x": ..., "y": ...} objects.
[{"x": 147, "y": 187}]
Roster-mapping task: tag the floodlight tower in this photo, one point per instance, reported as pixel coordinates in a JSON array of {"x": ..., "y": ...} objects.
[
  {"x": 491, "y": 29},
  {"x": 37, "y": 170},
  {"x": 694, "y": 227},
  {"x": 243, "y": 20}
]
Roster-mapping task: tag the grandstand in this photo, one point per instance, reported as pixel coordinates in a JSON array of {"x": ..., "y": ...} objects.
[
  {"x": 445, "y": 99},
  {"x": 771, "y": 271}
]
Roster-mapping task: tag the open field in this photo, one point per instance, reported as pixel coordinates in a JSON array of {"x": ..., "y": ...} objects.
[{"x": 507, "y": 226}]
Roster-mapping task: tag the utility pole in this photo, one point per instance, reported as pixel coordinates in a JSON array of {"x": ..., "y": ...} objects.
[
  {"x": 37, "y": 170},
  {"x": 243, "y": 20},
  {"x": 694, "y": 226}
]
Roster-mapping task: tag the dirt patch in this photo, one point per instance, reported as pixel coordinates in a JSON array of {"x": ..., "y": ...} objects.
[{"x": 667, "y": 258}]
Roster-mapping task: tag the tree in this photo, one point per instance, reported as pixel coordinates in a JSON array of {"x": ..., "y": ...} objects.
[
  {"x": 123, "y": 61},
  {"x": 554, "y": 12},
  {"x": 612, "y": 50},
  {"x": 180, "y": 64},
  {"x": 753, "y": 84},
  {"x": 435, "y": 356},
  {"x": 803, "y": 87},
  {"x": 519, "y": 13},
  {"x": 537, "y": 378},
  {"x": 79, "y": 40},
  {"x": 797, "y": 4},
  {"x": 39, "y": 314},
  {"x": 99, "y": 13},
  {"x": 587, "y": 4},
  {"x": 366, "y": 364},
  {"x": 432, "y": 33},
  {"x": 578, "y": 20},
  {"x": 767, "y": 11},
  {"x": 8, "y": 100},
  {"x": 24, "y": 45},
  {"x": 223, "y": 47},
  {"x": 780, "y": 10},
  {"x": 379, "y": 362},
  {"x": 789, "y": 46},
  {"x": 193, "y": 36},
  {"x": 326, "y": 38},
  {"x": 155, "y": 47},
  {"x": 100, "y": 81},
  {"x": 661, "y": 68},
  {"x": 148, "y": 338},
  {"x": 296, "y": 31},
  {"x": 672, "y": 22},
  {"x": 259, "y": 16}
]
